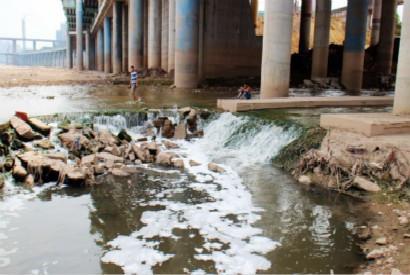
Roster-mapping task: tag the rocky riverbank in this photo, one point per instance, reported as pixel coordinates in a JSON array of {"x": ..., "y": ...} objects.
[
  {"x": 74, "y": 154},
  {"x": 376, "y": 170}
]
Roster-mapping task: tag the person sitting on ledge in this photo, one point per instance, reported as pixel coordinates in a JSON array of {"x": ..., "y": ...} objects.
[{"x": 245, "y": 92}]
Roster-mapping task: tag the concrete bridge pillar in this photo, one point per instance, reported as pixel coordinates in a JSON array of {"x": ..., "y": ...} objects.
[
  {"x": 402, "y": 95},
  {"x": 100, "y": 50},
  {"x": 384, "y": 59},
  {"x": 136, "y": 33},
  {"x": 154, "y": 34},
  {"x": 69, "y": 51},
  {"x": 187, "y": 43},
  {"x": 171, "y": 37},
  {"x": 321, "y": 39},
  {"x": 377, "y": 13},
  {"x": 35, "y": 45},
  {"x": 107, "y": 45},
  {"x": 354, "y": 45},
  {"x": 90, "y": 51},
  {"x": 254, "y": 7},
  {"x": 117, "y": 37},
  {"x": 124, "y": 37},
  {"x": 14, "y": 51},
  {"x": 164, "y": 35},
  {"x": 276, "y": 49},
  {"x": 79, "y": 33},
  {"x": 305, "y": 22},
  {"x": 146, "y": 4}
]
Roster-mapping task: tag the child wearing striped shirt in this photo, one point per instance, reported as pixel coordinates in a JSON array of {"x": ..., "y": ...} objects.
[{"x": 133, "y": 83}]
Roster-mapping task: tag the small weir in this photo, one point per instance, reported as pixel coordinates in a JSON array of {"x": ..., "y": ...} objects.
[{"x": 250, "y": 219}]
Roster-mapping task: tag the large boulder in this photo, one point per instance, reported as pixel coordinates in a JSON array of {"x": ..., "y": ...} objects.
[
  {"x": 45, "y": 144},
  {"x": 165, "y": 158},
  {"x": 123, "y": 135},
  {"x": 168, "y": 130},
  {"x": 178, "y": 163},
  {"x": 365, "y": 184},
  {"x": 74, "y": 140},
  {"x": 215, "y": 168},
  {"x": 180, "y": 131},
  {"x": 106, "y": 138},
  {"x": 23, "y": 130},
  {"x": 39, "y": 126}
]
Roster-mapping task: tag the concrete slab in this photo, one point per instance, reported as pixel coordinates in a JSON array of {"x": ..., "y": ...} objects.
[
  {"x": 235, "y": 105},
  {"x": 369, "y": 124}
]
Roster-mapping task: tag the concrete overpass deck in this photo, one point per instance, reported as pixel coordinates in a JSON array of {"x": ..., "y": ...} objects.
[{"x": 234, "y": 105}]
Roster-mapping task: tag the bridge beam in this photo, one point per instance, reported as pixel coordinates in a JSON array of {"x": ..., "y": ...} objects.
[{"x": 353, "y": 55}]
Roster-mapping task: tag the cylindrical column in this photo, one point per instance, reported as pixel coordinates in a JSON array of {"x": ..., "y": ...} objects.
[
  {"x": 353, "y": 55},
  {"x": 107, "y": 45},
  {"x": 79, "y": 33},
  {"x": 402, "y": 95},
  {"x": 136, "y": 33},
  {"x": 117, "y": 37},
  {"x": 69, "y": 51},
  {"x": 254, "y": 7},
  {"x": 87, "y": 51},
  {"x": 100, "y": 49},
  {"x": 305, "y": 21},
  {"x": 276, "y": 48},
  {"x": 187, "y": 43},
  {"x": 124, "y": 39},
  {"x": 146, "y": 4},
  {"x": 14, "y": 51},
  {"x": 171, "y": 37},
  {"x": 377, "y": 13},
  {"x": 34, "y": 45},
  {"x": 384, "y": 59},
  {"x": 164, "y": 35},
  {"x": 154, "y": 34},
  {"x": 321, "y": 40}
]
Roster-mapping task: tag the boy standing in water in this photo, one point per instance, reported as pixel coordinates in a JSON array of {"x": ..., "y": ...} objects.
[{"x": 133, "y": 83}]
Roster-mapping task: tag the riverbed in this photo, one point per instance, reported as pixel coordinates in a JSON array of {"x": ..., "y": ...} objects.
[{"x": 253, "y": 218}]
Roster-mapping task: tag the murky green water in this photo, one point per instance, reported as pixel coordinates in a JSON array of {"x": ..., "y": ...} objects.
[{"x": 195, "y": 221}]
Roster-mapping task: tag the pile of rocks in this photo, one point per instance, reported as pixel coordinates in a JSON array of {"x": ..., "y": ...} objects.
[
  {"x": 91, "y": 153},
  {"x": 322, "y": 84}
]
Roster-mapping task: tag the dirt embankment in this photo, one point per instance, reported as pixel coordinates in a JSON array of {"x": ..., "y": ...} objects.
[{"x": 375, "y": 169}]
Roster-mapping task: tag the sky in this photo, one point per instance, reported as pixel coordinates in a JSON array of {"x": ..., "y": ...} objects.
[{"x": 43, "y": 18}]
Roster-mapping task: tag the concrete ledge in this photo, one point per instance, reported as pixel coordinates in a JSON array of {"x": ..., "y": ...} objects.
[
  {"x": 234, "y": 105},
  {"x": 369, "y": 124}
]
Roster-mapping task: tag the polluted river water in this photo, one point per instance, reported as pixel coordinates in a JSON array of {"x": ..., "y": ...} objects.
[{"x": 251, "y": 219}]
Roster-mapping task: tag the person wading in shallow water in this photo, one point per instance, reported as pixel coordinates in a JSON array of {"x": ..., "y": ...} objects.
[{"x": 133, "y": 84}]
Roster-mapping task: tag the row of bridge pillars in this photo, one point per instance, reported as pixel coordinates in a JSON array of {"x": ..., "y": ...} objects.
[
  {"x": 278, "y": 37},
  {"x": 165, "y": 34}
]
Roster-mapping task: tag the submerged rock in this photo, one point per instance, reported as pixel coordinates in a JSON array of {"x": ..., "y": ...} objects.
[
  {"x": 178, "y": 163},
  {"x": 29, "y": 181},
  {"x": 170, "y": 145},
  {"x": 19, "y": 172},
  {"x": 365, "y": 184},
  {"x": 194, "y": 163},
  {"x": 216, "y": 168},
  {"x": 123, "y": 135},
  {"x": 165, "y": 158},
  {"x": 180, "y": 131}
]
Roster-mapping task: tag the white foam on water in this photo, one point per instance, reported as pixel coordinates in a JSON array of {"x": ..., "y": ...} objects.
[{"x": 235, "y": 246}]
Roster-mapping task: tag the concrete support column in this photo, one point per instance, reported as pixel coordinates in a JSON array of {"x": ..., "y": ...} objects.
[
  {"x": 164, "y": 35},
  {"x": 321, "y": 40},
  {"x": 136, "y": 33},
  {"x": 384, "y": 59},
  {"x": 14, "y": 51},
  {"x": 124, "y": 39},
  {"x": 377, "y": 14},
  {"x": 146, "y": 4},
  {"x": 107, "y": 45},
  {"x": 187, "y": 43},
  {"x": 154, "y": 34},
  {"x": 276, "y": 48},
  {"x": 171, "y": 37},
  {"x": 353, "y": 55},
  {"x": 305, "y": 22},
  {"x": 402, "y": 95},
  {"x": 100, "y": 50},
  {"x": 79, "y": 34},
  {"x": 69, "y": 52},
  {"x": 87, "y": 51},
  {"x": 254, "y": 7},
  {"x": 35, "y": 45},
  {"x": 117, "y": 37}
]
